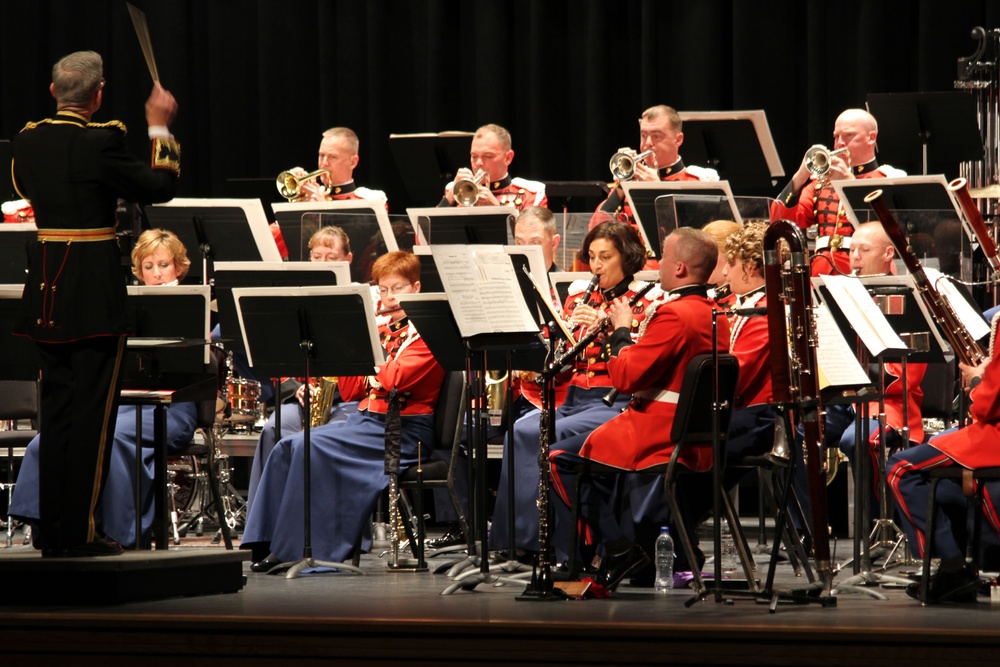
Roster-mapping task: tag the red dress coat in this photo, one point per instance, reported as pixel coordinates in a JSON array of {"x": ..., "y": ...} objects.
[
  {"x": 640, "y": 436},
  {"x": 748, "y": 342},
  {"x": 822, "y": 208},
  {"x": 410, "y": 368},
  {"x": 894, "y": 399},
  {"x": 977, "y": 445}
]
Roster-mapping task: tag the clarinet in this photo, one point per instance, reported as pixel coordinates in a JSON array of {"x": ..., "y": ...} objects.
[{"x": 966, "y": 347}]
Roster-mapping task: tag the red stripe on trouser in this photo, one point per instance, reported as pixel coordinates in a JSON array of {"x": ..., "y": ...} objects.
[
  {"x": 906, "y": 467},
  {"x": 582, "y": 528}
]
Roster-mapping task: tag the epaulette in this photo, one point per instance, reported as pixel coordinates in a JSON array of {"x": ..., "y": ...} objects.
[
  {"x": 655, "y": 292},
  {"x": 166, "y": 155},
  {"x": 891, "y": 172},
  {"x": 577, "y": 287},
  {"x": 533, "y": 186},
  {"x": 368, "y": 193},
  {"x": 703, "y": 173},
  {"x": 111, "y": 124}
]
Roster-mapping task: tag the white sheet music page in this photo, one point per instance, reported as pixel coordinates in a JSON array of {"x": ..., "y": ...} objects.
[
  {"x": 838, "y": 366},
  {"x": 967, "y": 315},
  {"x": 864, "y": 315},
  {"x": 482, "y": 289}
]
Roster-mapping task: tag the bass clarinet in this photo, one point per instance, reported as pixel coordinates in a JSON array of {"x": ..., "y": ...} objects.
[{"x": 794, "y": 384}]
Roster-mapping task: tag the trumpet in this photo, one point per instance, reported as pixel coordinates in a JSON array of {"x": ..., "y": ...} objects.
[
  {"x": 819, "y": 159},
  {"x": 623, "y": 163},
  {"x": 290, "y": 185},
  {"x": 466, "y": 191}
]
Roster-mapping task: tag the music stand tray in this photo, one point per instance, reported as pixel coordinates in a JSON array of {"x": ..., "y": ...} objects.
[
  {"x": 737, "y": 144},
  {"x": 297, "y": 226},
  {"x": 463, "y": 225},
  {"x": 222, "y": 230},
  {"x": 642, "y": 196}
]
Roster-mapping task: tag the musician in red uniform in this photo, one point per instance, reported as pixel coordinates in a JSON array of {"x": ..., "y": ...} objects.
[
  {"x": 348, "y": 459},
  {"x": 660, "y": 131},
  {"x": 678, "y": 327},
  {"x": 975, "y": 446},
  {"x": 615, "y": 253},
  {"x": 338, "y": 155},
  {"x": 491, "y": 152},
  {"x": 807, "y": 201}
]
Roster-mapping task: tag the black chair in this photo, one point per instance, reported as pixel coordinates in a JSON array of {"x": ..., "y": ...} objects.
[
  {"x": 939, "y": 394},
  {"x": 437, "y": 473},
  {"x": 965, "y": 477},
  {"x": 20, "y": 400},
  {"x": 692, "y": 426}
]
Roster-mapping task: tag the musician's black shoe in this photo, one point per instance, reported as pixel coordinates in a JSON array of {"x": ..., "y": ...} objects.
[
  {"x": 265, "y": 565},
  {"x": 620, "y": 564},
  {"x": 101, "y": 546},
  {"x": 453, "y": 536},
  {"x": 959, "y": 587}
]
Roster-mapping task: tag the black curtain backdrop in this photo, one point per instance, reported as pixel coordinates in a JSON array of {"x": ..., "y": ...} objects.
[{"x": 259, "y": 80}]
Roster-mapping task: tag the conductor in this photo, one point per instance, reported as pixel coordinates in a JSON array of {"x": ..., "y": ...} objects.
[{"x": 73, "y": 171}]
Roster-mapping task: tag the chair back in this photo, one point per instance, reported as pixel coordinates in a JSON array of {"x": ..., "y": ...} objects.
[
  {"x": 19, "y": 400},
  {"x": 449, "y": 410},
  {"x": 693, "y": 419},
  {"x": 939, "y": 391}
]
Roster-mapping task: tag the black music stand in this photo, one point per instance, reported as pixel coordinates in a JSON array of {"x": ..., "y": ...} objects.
[
  {"x": 642, "y": 196},
  {"x": 737, "y": 144},
  {"x": 14, "y": 239},
  {"x": 335, "y": 335},
  {"x": 164, "y": 363},
  {"x": 18, "y": 354},
  {"x": 223, "y": 230},
  {"x": 427, "y": 162},
  {"x": 927, "y": 133},
  {"x": 474, "y": 225},
  {"x": 561, "y": 193},
  {"x": 361, "y": 220}
]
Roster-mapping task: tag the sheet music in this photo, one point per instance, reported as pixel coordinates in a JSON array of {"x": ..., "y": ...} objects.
[
  {"x": 482, "y": 289},
  {"x": 838, "y": 366},
  {"x": 860, "y": 309},
  {"x": 967, "y": 315}
]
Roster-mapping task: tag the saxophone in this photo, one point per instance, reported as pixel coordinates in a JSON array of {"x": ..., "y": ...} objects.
[{"x": 323, "y": 389}]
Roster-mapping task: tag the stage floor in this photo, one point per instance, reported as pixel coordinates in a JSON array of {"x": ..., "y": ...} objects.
[{"x": 397, "y": 618}]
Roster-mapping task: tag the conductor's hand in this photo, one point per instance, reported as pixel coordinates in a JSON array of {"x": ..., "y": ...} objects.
[{"x": 161, "y": 107}]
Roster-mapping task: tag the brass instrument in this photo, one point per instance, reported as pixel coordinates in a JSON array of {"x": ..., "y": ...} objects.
[
  {"x": 966, "y": 347},
  {"x": 622, "y": 163},
  {"x": 496, "y": 395},
  {"x": 322, "y": 399},
  {"x": 466, "y": 191},
  {"x": 290, "y": 185},
  {"x": 795, "y": 383}
]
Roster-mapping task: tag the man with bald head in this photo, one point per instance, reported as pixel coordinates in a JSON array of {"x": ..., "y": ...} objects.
[
  {"x": 678, "y": 328},
  {"x": 808, "y": 200}
]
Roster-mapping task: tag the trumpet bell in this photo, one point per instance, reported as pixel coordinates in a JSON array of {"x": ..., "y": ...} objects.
[
  {"x": 290, "y": 186},
  {"x": 466, "y": 191},
  {"x": 819, "y": 159},
  {"x": 622, "y": 163}
]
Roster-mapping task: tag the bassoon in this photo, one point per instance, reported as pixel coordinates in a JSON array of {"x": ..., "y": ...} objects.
[
  {"x": 960, "y": 188},
  {"x": 966, "y": 347}
]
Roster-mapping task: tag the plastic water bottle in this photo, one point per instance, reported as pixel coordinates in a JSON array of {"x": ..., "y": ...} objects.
[
  {"x": 729, "y": 558},
  {"x": 664, "y": 561}
]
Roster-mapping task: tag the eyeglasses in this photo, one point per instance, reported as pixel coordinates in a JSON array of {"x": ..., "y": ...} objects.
[{"x": 395, "y": 289}]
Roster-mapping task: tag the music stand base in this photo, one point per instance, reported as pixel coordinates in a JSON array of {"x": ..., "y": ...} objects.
[
  {"x": 406, "y": 565},
  {"x": 295, "y": 568}
]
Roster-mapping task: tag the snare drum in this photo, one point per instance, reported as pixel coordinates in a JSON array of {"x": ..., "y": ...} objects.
[{"x": 244, "y": 397}]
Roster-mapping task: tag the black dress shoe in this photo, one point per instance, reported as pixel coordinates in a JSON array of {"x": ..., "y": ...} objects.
[
  {"x": 453, "y": 536},
  {"x": 618, "y": 566},
  {"x": 959, "y": 587},
  {"x": 265, "y": 565},
  {"x": 101, "y": 546}
]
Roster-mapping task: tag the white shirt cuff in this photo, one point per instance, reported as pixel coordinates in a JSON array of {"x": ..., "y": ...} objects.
[{"x": 160, "y": 132}]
